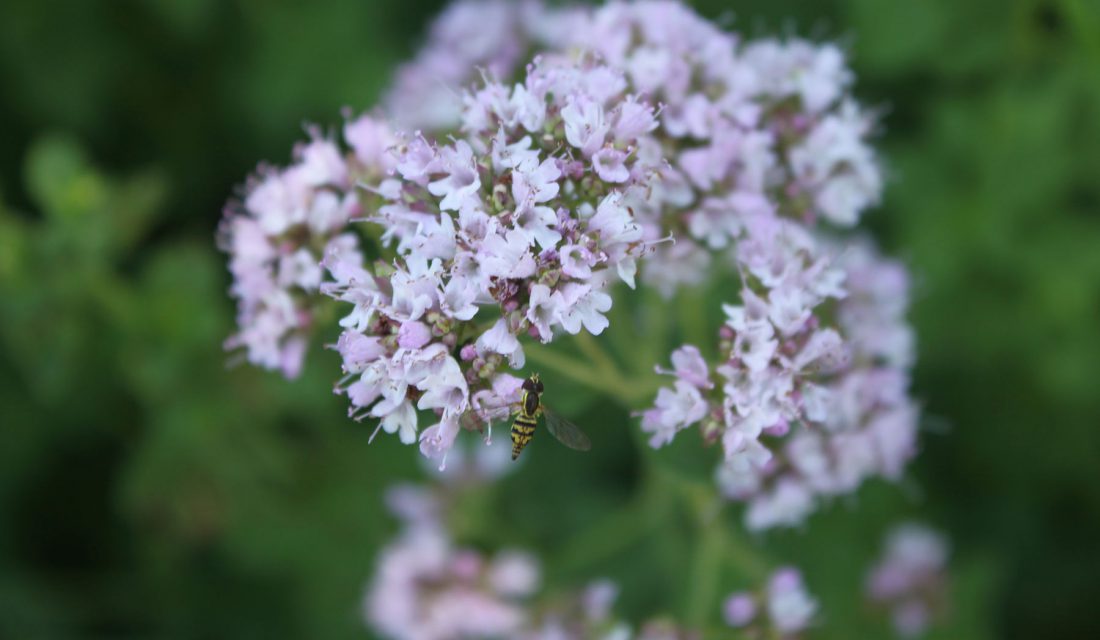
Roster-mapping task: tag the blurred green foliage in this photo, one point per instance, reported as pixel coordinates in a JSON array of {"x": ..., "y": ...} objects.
[{"x": 147, "y": 489}]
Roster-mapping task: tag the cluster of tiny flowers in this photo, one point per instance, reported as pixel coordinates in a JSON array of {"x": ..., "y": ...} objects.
[
  {"x": 782, "y": 610},
  {"x": 754, "y": 128},
  {"x": 755, "y": 143},
  {"x": 506, "y": 212},
  {"x": 761, "y": 126},
  {"x": 583, "y": 615},
  {"x": 277, "y": 235},
  {"x": 471, "y": 37},
  {"x": 569, "y": 176},
  {"x": 763, "y": 142},
  {"x": 911, "y": 578},
  {"x": 515, "y": 229},
  {"x": 860, "y": 421},
  {"x": 801, "y": 410},
  {"x": 427, "y": 587}
]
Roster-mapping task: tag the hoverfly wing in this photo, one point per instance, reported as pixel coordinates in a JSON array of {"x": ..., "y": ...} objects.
[{"x": 565, "y": 431}]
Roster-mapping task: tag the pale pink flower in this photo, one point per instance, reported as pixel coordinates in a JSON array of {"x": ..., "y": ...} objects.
[
  {"x": 580, "y": 304},
  {"x": 372, "y": 140},
  {"x": 585, "y": 124},
  {"x": 910, "y": 578},
  {"x": 739, "y": 609},
  {"x": 610, "y": 165},
  {"x": 790, "y": 607}
]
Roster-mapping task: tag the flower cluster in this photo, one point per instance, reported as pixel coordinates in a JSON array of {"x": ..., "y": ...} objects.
[
  {"x": 911, "y": 577},
  {"x": 861, "y": 421},
  {"x": 747, "y": 130},
  {"x": 427, "y": 587},
  {"x": 586, "y": 614},
  {"x": 772, "y": 345},
  {"x": 506, "y": 211},
  {"x": 754, "y": 144},
  {"x": 761, "y": 127},
  {"x": 763, "y": 142},
  {"x": 557, "y": 182},
  {"x": 470, "y": 37},
  {"x": 763, "y": 117},
  {"x": 802, "y": 410},
  {"x": 288, "y": 219},
  {"x": 513, "y": 230},
  {"x": 782, "y": 610}
]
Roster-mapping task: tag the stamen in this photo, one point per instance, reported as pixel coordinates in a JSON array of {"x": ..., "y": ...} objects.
[{"x": 668, "y": 238}]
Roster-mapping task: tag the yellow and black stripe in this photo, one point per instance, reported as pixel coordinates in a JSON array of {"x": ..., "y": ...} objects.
[
  {"x": 522, "y": 430},
  {"x": 530, "y": 408}
]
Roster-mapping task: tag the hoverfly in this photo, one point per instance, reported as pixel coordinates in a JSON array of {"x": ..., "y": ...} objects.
[{"x": 530, "y": 408}]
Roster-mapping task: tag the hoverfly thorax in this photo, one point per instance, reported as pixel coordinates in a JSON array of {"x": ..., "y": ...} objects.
[
  {"x": 532, "y": 395},
  {"x": 533, "y": 384}
]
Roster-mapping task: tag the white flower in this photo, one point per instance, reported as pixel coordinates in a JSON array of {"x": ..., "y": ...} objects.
[
  {"x": 543, "y": 310},
  {"x": 402, "y": 421},
  {"x": 462, "y": 182},
  {"x": 610, "y": 165},
  {"x": 372, "y": 140},
  {"x": 787, "y": 504},
  {"x": 688, "y": 365},
  {"x": 534, "y": 182},
  {"x": 498, "y": 339},
  {"x": 322, "y": 163},
  {"x": 437, "y": 439},
  {"x": 514, "y": 573},
  {"x": 580, "y": 304},
  {"x": 585, "y": 124},
  {"x": 790, "y": 607},
  {"x": 445, "y": 389},
  {"x": 507, "y": 256},
  {"x": 674, "y": 409}
]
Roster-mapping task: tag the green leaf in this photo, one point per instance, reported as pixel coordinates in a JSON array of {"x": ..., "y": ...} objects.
[{"x": 61, "y": 181}]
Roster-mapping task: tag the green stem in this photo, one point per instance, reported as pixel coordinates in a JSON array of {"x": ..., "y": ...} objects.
[
  {"x": 744, "y": 559},
  {"x": 604, "y": 376},
  {"x": 594, "y": 352},
  {"x": 578, "y": 371},
  {"x": 1085, "y": 26},
  {"x": 706, "y": 564},
  {"x": 692, "y": 320},
  {"x": 652, "y": 350},
  {"x": 717, "y": 547}
]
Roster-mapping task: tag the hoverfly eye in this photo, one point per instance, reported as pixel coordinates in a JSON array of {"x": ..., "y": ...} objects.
[
  {"x": 538, "y": 387},
  {"x": 528, "y": 385}
]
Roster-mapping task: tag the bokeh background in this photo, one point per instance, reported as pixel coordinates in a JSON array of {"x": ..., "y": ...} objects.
[{"x": 147, "y": 490}]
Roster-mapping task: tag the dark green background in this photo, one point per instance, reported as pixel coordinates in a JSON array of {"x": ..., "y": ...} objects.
[{"x": 147, "y": 490}]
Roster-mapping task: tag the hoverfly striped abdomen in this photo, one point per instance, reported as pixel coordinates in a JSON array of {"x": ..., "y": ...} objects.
[{"x": 523, "y": 428}]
